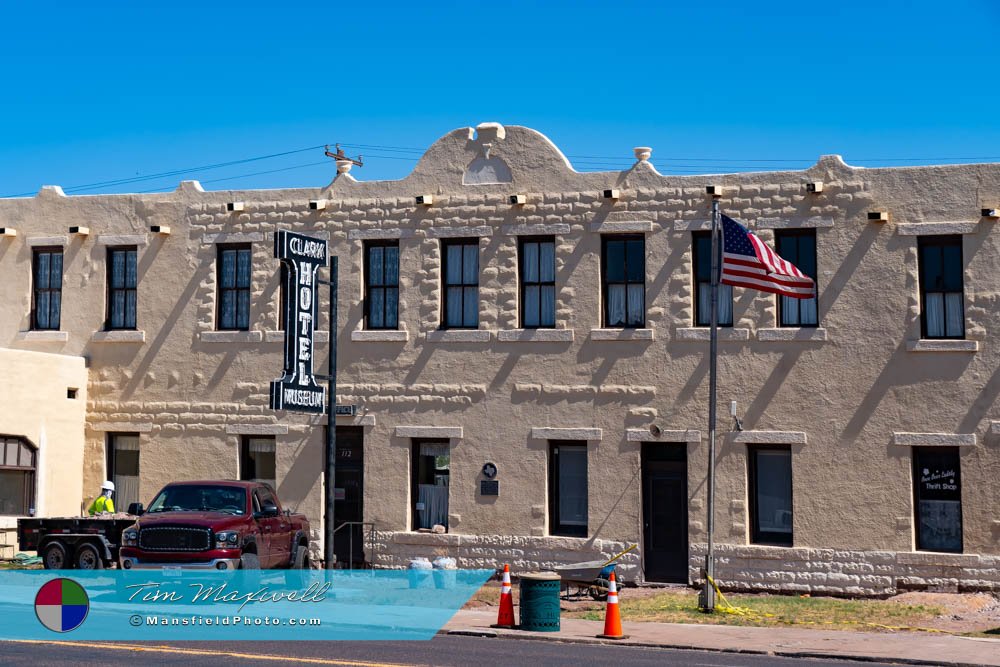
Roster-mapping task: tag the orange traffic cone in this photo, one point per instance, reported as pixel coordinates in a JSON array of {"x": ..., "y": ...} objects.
[
  {"x": 613, "y": 617},
  {"x": 505, "y": 618}
]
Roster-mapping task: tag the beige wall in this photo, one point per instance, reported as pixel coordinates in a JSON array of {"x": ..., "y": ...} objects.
[
  {"x": 848, "y": 387},
  {"x": 33, "y": 396}
]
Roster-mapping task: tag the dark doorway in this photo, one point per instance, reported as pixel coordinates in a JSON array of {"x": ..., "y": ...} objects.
[
  {"x": 665, "y": 512},
  {"x": 348, "y": 541}
]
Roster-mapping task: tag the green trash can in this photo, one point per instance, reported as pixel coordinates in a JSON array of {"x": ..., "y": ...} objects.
[{"x": 540, "y": 601}]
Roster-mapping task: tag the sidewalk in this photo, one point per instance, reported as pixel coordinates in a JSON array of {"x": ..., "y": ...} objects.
[{"x": 913, "y": 648}]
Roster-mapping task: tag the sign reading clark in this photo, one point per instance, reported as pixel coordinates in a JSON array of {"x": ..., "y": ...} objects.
[{"x": 297, "y": 389}]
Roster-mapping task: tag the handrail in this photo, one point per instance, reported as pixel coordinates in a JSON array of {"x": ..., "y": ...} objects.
[{"x": 370, "y": 534}]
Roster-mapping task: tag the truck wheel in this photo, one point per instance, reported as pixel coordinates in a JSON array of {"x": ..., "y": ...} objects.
[
  {"x": 301, "y": 561},
  {"x": 54, "y": 556},
  {"x": 249, "y": 562},
  {"x": 88, "y": 558}
]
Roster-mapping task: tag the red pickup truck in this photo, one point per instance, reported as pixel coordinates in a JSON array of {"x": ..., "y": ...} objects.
[{"x": 222, "y": 525}]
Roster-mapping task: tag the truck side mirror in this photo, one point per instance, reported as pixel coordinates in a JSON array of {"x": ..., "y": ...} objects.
[{"x": 136, "y": 509}]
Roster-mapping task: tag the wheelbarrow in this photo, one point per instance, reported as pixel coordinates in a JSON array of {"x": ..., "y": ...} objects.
[{"x": 588, "y": 578}]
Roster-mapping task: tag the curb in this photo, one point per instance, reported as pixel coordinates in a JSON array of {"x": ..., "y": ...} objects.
[{"x": 493, "y": 634}]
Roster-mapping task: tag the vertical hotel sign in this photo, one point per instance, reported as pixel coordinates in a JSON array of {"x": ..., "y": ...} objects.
[{"x": 297, "y": 389}]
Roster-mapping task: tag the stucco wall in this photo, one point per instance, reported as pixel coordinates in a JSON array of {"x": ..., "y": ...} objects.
[{"x": 848, "y": 386}]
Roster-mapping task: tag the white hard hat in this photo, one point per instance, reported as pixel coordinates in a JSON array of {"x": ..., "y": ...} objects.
[{"x": 110, "y": 486}]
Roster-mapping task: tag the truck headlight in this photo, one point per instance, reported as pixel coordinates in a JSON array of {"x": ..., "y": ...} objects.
[
  {"x": 226, "y": 539},
  {"x": 130, "y": 537}
]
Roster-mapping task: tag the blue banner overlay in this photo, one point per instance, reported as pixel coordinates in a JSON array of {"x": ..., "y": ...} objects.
[{"x": 137, "y": 605}]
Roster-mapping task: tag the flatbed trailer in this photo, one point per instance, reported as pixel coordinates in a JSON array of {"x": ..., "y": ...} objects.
[{"x": 85, "y": 543}]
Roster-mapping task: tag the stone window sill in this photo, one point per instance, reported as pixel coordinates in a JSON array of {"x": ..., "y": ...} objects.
[
  {"x": 942, "y": 345},
  {"x": 459, "y": 336},
  {"x": 704, "y": 333},
  {"x": 231, "y": 336},
  {"x": 621, "y": 334},
  {"x": 535, "y": 335},
  {"x": 43, "y": 336},
  {"x": 781, "y": 334},
  {"x": 119, "y": 337},
  {"x": 279, "y": 336},
  {"x": 380, "y": 336}
]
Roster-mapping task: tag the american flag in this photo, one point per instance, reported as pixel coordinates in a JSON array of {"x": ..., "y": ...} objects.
[{"x": 748, "y": 262}]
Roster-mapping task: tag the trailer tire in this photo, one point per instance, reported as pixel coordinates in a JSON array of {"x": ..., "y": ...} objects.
[
  {"x": 87, "y": 557},
  {"x": 54, "y": 556}
]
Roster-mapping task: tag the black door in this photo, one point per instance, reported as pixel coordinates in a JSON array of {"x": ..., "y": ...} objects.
[
  {"x": 348, "y": 541},
  {"x": 665, "y": 512}
]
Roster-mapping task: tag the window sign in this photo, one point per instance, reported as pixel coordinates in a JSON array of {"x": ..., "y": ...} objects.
[
  {"x": 938, "y": 479},
  {"x": 297, "y": 389}
]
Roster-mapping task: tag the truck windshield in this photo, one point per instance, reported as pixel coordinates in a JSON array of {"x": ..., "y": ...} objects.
[{"x": 200, "y": 498}]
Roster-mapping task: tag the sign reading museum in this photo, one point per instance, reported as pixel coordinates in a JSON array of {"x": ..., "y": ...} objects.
[{"x": 297, "y": 389}]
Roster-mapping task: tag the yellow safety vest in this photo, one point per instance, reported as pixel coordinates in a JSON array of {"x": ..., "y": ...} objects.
[{"x": 101, "y": 504}]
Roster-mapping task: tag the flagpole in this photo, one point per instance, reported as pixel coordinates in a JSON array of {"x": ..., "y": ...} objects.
[{"x": 708, "y": 592}]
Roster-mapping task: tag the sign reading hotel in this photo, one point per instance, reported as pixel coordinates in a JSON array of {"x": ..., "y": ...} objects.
[{"x": 297, "y": 389}]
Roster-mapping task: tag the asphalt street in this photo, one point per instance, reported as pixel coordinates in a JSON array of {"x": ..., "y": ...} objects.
[{"x": 443, "y": 651}]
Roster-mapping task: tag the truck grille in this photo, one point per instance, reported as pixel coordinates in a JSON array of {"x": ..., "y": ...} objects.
[{"x": 174, "y": 538}]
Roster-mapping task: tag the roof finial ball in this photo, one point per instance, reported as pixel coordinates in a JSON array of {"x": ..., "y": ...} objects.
[{"x": 642, "y": 153}]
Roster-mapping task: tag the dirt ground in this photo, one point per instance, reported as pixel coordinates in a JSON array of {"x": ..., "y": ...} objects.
[{"x": 950, "y": 612}]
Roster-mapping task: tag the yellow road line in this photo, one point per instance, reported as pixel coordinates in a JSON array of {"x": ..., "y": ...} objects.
[{"x": 209, "y": 652}]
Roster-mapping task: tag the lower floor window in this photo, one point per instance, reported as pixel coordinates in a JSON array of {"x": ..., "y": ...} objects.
[
  {"x": 938, "y": 498},
  {"x": 430, "y": 483},
  {"x": 771, "y": 495},
  {"x": 568, "y": 488},
  {"x": 17, "y": 477},
  {"x": 257, "y": 462},
  {"x": 123, "y": 468}
]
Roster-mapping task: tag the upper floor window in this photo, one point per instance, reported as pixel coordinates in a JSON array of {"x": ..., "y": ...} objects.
[
  {"x": 703, "y": 282},
  {"x": 122, "y": 282},
  {"x": 623, "y": 273},
  {"x": 382, "y": 284},
  {"x": 538, "y": 282},
  {"x": 234, "y": 287},
  {"x": 17, "y": 476},
  {"x": 46, "y": 297},
  {"x": 798, "y": 246},
  {"x": 461, "y": 283},
  {"x": 942, "y": 309}
]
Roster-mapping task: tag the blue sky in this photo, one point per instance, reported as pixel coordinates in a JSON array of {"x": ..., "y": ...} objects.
[{"x": 125, "y": 90}]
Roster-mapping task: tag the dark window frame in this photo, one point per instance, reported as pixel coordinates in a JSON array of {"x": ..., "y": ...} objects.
[
  {"x": 282, "y": 296},
  {"x": 125, "y": 290},
  {"x": 384, "y": 286},
  {"x": 235, "y": 289},
  {"x": 758, "y": 536},
  {"x": 625, "y": 282},
  {"x": 30, "y": 472},
  {"x": 798, "y": 234},
  {"x": 445, "y": 285},
  {"x": 523, "y": 284},
  {"x": 248, "y": 465},
  {"x": 415, "y": 444},
  {"x": 916, "y": 470},
  {"x": 940, "y": 242},
  {"x": 697, "y": 238},
  {"x": 555, "y": 527},
  {"x": 49, "y": 290}
]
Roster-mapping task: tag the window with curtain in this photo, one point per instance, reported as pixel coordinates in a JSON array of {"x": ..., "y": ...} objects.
[
  {"x": 703, "y": 283},
  {"x": 18, "y": 461},
  {"x": 461, "y": 283},
  {"x": 257, "y": 460},
  {"x": 122, "y": 282},
  {"x": 937, "y": 479},
  {"x": 623, "y": 273},
  {"x": 46, "y": 296},
  {"x": 430, "y": 483},
  {"x": 123, "y": 468},
  {"x": 233, "y": 280},
  {"x": 382, "y": 284},
  {"x": 537, "y": 263},
  {"x": 942, "y": 308},
  {"x": 771, "y": 494},
  {"x": 568, "y": 493},
  {"x": 798, "y": 246}
]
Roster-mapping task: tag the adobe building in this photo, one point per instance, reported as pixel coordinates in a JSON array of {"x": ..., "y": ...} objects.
[{"x": 498, "y": 307}]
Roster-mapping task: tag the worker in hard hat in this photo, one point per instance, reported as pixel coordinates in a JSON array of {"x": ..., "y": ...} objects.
[{"x": 103, "y": 502}]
